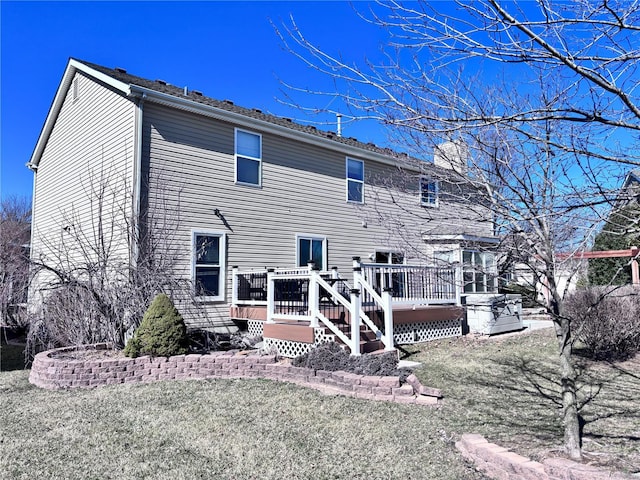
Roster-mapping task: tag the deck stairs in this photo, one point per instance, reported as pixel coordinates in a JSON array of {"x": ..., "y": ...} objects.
[{"x": 369, "y": 340}]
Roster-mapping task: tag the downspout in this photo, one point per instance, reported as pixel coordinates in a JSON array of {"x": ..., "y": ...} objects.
[
  {"x": 30, "y": 291},
  {"x": 137, "y": 179}
]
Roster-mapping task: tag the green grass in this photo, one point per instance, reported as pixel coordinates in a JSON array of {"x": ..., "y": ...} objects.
[{"x": 244, "y": 429}]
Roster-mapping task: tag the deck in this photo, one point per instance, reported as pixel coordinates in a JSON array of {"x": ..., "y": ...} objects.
[{"x": 384, "y": 305}]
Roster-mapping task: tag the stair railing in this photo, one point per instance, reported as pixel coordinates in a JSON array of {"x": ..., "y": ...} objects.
[
  {"x": 297, "y": 295},
  {"x": 375, "y": 302},
  {"x": 352, "y": 305}
]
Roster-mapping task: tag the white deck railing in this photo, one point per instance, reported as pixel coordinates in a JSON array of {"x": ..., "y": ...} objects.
[
  {"x": 249, "y": 286},
  {"x": 415, "y": 284},
  {"x": 305, "y": 294}
]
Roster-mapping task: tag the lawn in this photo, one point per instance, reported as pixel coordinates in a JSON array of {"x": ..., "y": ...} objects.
[{"x": 244, "y": 429}]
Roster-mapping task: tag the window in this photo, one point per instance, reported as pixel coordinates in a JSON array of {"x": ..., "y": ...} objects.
[
  {"x": 208, "y": 265},
  {"x": 479, "y": 272},
  {"x": 248, "y": 158},
  {"x": 355, "y": 180},
  {"x": 428, "y": 192},
  {"x": 394, "y": 258},
  {"x": 445, "y": 258},
  {"x": 312, "y": 249}
]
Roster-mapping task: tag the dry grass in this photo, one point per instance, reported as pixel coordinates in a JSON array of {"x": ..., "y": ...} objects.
[
  {"x": 506, "y": 388},
  {"x": 242, "y": 429},
  {"x": 232, "y": 429}
]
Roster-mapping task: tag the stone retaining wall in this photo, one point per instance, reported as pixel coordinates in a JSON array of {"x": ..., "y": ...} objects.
[
  {"x": 53, "y": 371},
  {"x": 500, "y": 464}
]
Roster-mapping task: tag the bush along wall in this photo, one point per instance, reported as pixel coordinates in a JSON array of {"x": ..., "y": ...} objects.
[{"x": 162, "y": 331}]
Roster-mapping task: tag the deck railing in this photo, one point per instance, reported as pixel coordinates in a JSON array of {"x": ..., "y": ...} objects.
[
  {"x": 306, "y": 294},
  {"x": 249, "y": 287},
  {"x": 414, "y": 284}
]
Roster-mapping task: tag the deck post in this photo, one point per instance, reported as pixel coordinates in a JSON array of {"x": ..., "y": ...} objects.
[
  {"x": 458, "y": 283},
  {"x": 635, "y": 271},
  {"x": 234, "y": 285},
  {"x": 355, "y": 321},
  {"x": 313, "y": 296},
  {"x": 357, "y": 274},
  {"x": 271, "y": 295},
  {"x": 387, "y": 301}
]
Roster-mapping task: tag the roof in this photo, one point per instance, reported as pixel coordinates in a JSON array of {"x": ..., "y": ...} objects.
[
  {"x": 632, "y": 175},
  {"x": 163, "y": 92}
]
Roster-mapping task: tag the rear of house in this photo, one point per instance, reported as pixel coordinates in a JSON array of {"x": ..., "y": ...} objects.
[{"x": 224, "y": 186}]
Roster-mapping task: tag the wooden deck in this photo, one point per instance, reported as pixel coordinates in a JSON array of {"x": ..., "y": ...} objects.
[{"x": 295, "y": 331}]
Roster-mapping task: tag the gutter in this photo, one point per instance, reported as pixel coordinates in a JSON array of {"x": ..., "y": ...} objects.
[
  {"x": 264, "y": 126},
  {"x": 460, "y": 238}
]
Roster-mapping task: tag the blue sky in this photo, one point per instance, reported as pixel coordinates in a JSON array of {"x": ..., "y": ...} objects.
[{"x": 227, "y": 50}]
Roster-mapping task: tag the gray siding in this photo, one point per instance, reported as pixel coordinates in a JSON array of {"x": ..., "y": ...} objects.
[
  {"x": 91, "y": 145},
  {"x": 189, "y": 168}
]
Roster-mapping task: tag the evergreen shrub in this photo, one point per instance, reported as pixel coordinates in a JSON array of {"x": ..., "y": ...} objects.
[{"x": 162, "y": 332}]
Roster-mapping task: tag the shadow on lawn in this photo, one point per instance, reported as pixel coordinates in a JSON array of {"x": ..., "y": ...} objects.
[
  {"x": 11, "y": 356},
  {"x": 523, "y": 395}
]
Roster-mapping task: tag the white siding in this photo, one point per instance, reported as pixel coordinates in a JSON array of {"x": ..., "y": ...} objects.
[
  {"x": 189, "y": 167},
  {"x": 91, "y": 145}
]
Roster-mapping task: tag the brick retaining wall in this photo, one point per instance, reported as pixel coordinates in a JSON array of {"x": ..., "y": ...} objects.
[
  {"x": 54, "y": 373},
  {"x": 500, "y": 464}
]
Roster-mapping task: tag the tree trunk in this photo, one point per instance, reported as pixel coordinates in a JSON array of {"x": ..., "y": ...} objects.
[
  {"x": 570, "y": 416},
  {"x": 568, "y": 378}
]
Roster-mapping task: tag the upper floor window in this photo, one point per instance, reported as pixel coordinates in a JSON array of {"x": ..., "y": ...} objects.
[
  {"x": 248, "y": 158},
  {"x": 355, "y": 180},
  {"x": 208, "y": 265},
  {"x": 428, "y": 192}
]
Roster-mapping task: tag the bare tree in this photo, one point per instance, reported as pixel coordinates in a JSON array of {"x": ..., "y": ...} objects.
[
  {"x": 543, "y": 94},
  {"x": 15, "y": 231},
  {"x": 97, "y": 277}
]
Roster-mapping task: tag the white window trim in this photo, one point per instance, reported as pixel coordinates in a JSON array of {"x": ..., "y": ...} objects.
[
  {"x": 235, "y": 158},
  {"x": 347, "y": 179},
  {"x": 436, "y": 203},
  {"x": 310, "y": 236},
  {"x": 223, "y": 261},
  {"x": 493, "y": 270}
]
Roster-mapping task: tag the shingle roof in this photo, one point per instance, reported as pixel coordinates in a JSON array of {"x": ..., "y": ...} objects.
[{"x": 195, "y": 96}]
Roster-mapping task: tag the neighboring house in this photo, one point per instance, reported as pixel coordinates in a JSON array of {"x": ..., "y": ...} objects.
[
  {"x": 242, "y": 188},
  {"x": 629, "y": 192}
]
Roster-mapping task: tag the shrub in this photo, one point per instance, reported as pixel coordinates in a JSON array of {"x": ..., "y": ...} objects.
[
  {"x": 331, "y": 357},
  {"x": 606, "y": 320},
  {"x": 528, "y": 293},
  {"x": 328, "y": 356},
  {"x": 161, "y": 333}
]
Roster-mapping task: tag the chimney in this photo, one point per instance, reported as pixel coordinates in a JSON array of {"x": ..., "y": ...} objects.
[{"x": 453, "y": 155}]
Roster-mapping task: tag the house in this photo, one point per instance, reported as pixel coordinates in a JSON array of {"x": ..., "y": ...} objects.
[{"x": 246, "y": 192}]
